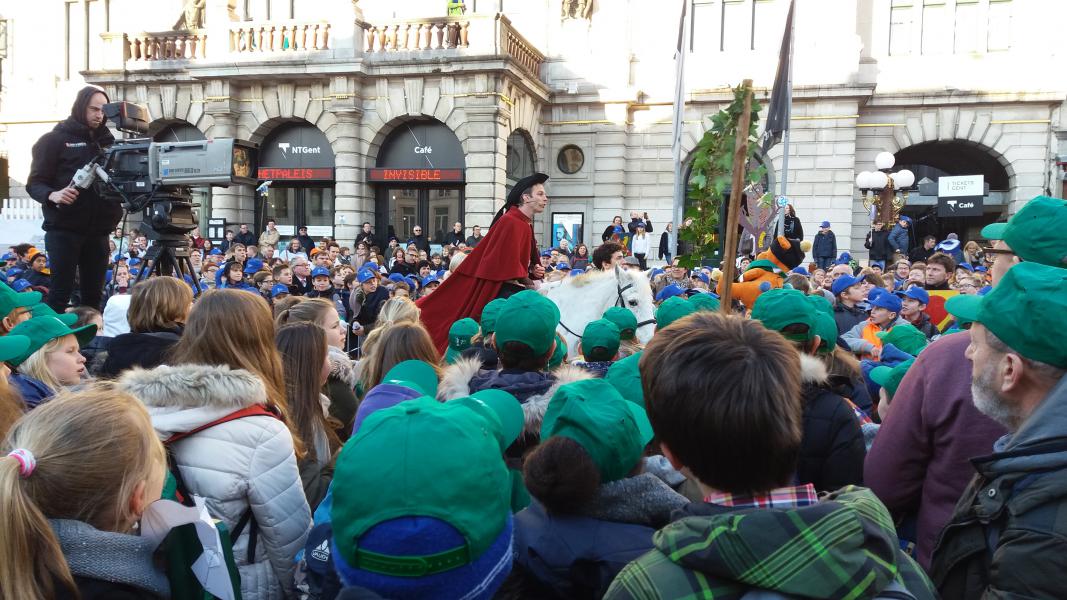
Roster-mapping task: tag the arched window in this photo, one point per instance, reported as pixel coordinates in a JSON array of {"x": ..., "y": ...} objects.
[{"x": 521, "y": 160}]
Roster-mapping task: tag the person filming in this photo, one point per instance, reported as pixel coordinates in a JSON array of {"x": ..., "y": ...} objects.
[{"x": 77, "y": 222}]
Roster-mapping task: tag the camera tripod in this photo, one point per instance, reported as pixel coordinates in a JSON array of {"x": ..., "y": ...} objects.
[{"x": 170, "y": 257}]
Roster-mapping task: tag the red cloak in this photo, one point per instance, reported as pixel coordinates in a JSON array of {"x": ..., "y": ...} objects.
[{"x": 505, "y": 253}]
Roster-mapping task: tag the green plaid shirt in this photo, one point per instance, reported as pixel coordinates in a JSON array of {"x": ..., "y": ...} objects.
[{"x": 842, "y": 547}]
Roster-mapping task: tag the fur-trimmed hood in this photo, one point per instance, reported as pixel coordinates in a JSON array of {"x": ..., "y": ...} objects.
[
  {"x": 184, "y": 397},
  {"x": 813, "y": 370},
  {"x": 456, "y": 382},
  {"x": 342, "y": 367}
]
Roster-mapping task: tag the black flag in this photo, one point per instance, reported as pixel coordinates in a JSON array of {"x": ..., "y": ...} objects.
[{"x": 781, "y": 95}]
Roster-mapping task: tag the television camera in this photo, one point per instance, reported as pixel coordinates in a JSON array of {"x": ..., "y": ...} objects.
[{"x": 154, "y": 179}]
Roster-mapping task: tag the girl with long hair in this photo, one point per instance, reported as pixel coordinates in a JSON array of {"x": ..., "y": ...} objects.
[
  {"x": 52, "y": 362},
  {"x": 159, "y": 308},
  {"x": 226, "y": 364},
  {"x": 581, "y": 257},
  {"x": 303, "y": 350},
  {"x": 76, "y": 475},
  {"x": 639, "y": 245},
  {"x": 387, "y": 347},
  {"x": 341, "y": 383}
]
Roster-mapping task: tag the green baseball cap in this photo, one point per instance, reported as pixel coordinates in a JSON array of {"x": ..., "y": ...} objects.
[
  {"x": 825, "y": 325},
  {"x": 414, "y": 374},
  {"x": 613, "y": 431},
  {"x": 41, "y": 330},
  {"x": 443, "y": 460},
  {"x": 671, "y": 310},
  {"x": 601, "y": 333},
  {"x": 705, "y": 302},
  {"x": 559, "y": 354},
  {"x": 890, "y": 377},
  {"x": 43, "y": 310},
  {"x": 1035, "y": 233},
  {"x": 530, "y": 318},
  {"x": 1022, "y": 310},
  {"x": 489, "y": 315},
  {"x": 459, "y": 338},
  {"x": 10, "y": 300},
  {"x": 904, "y": 337},
  {"x": 13, "y": 346},
  {"x": 626, "y": 377},
  {"x": 781, "y": 307},
  {"x": 624, "y": 319}
]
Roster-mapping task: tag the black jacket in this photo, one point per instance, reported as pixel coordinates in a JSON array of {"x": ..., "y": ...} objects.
[
  {"x": 831, "y": 448},
  {"x": 793, "y": 228},
  {"x": 56, "y": 157},
  {"x": 847, "y": 318},
  {"x": 878, "y": 243},
  {"x": 920, "y": 253},
  {"x": 420, "y": 242},
  {"x": 248, "y": 239},
  {"x": 454, "y": 239},
  {"x": 99, "y": 589},
  {"x": 632, "y": 225},
  {"x": 473, "y": 241},
  {"x": 306, "y": 243},
  {"x": 145, "y": 350},
  {"x": 368, "y": 238}
]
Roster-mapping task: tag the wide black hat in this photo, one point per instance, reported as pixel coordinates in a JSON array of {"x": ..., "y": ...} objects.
[{"x": 515, "y": 195}]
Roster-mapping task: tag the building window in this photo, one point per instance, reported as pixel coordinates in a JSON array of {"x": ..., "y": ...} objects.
[
  {"x": 736, "y": 26},
  {"x": 570, "y": 159},
  {"x": 967, "y": 32},
  {"x": 900, "y": 15},
  {"x": 998, "y": 26},
  {"x": 936, "y": 28},
  {"x": 704, "y": 18}
]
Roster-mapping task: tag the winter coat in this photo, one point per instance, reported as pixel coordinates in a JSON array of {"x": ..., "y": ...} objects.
[
  {"x": 474, "y": 241},
  {"x": 1008, "y": 535},
  {"x": 666, "y": 243},
  {"x": 831, "y": 448},
  {"x": 147, "y": 350},
  {"x": 878, "y": 243},
  {"x": 927, "y": 326},
  {"x": 235, "y": 465},
  {"x": 900, "y": 237},
  {"x": 861, "y": 338},
  {"x": 306, "y": 244},
  {"x": 794, "y": 229},
  {"x": 108, "y": 565},
  {"x": 248, "y": 238},
  {"x": 847, "y": 318},
  {"x": 920, "y": 253},
  {"x": 532, "y": 389},
  {"x": 842, "y": 547},
  {"x": 420, "y": 242},
  {"x": 340, "y": 389},
  {"x": 632, "y": 225},
  {"x": 369, "y": 238},
  {"x": 454, "y": 239},
  {"x": 269, "y": 238},
  {"x": 56, "y": 157},
  {"x": 824, "y": 245},
  {"x": 578, "y": 555},
  {"x": 33, "y": 391},
  {"x": 920, "y": 461}
]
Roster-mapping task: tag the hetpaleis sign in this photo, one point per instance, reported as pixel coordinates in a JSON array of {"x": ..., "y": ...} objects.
[{"x": 960, "y": 196}]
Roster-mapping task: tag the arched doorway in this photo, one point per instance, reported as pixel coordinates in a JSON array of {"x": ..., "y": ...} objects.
[
  {"x": 419, "y": 181},
  {"x": 521, "y": 159},
  {"x": 299, "y": 160},
  {"x": 929, "y": 162}
]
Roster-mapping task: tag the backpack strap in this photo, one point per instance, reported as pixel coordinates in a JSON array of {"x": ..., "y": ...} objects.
[{"x": 249, "y": 411}]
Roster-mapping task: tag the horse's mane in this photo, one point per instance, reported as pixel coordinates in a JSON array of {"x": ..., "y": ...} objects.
[{"x": 590, "y": 277}]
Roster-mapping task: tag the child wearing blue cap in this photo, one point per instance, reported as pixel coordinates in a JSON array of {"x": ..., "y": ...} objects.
[
  {"x": 913, "y": 310},
  {"x": 885, "y": 314},
  {"x": 322, "y": 287}
]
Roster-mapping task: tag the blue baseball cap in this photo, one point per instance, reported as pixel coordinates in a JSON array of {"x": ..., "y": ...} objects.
[
  {"x": 429, "y": 279},
  {"x": 366, "y": 275},
  {"x": 15, "y": 272},
  {"x": 888, "y": 301},
  {"x": 134, "y": 271},
  {"x": 546, "y": 253},
  {"x": 20, "y": 285},
  {"x": 844, "y": 282},
  {"x": 824, "y": 224},
  {"x": 701, "y": 276},
  {"x": 878, "y": 263},
  {"x": 9, "y": 256},
  {"x": 980, "y": 269},
  {"x": 215, "y": 251},
  {"x": 576, "y": 272},
  {"x": 396, "y": 277},
  {"x": 254, "y": 265},
  {"x": 669, "y": 292},
  {"x": 801, "y": 271},
  {"x": 965, "y": 265},
  {"x": 413, "y": 282},
  {"x": 278, "y": 290},
  {"x": 618, "y": 229},
  {"x": 654, "y": 272},
  {"x": 320, "y": 272},
  {"x": 134, "y": 261},
  {"x": 916, "y": 293},
  {"x": 563, "y": 267}
]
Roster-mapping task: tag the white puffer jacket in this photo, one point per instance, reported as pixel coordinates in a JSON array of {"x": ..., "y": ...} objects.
[{"x": 248, "y": 461}]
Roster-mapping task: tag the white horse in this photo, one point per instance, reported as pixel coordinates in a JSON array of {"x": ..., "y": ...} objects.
[{"x": 584, "y": 298}]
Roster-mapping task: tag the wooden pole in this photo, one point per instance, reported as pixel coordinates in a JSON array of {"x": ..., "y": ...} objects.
[{"x": 736, "y": 193}]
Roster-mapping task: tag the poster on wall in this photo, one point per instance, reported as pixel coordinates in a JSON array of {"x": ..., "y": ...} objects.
[{"x": 567, "y": 226}]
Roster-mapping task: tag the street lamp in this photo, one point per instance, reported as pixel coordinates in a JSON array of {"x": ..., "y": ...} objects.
[{"x": 884, "y": 186}]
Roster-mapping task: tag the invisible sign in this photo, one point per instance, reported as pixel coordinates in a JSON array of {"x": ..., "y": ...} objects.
[{"x": 960, "y": 196}]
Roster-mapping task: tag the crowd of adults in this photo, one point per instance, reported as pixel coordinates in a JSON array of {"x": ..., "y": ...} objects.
[{"x": 894, "y": 430}]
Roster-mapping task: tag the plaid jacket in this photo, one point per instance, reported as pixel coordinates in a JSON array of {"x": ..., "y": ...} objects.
[{"x": 842, "y": 547}]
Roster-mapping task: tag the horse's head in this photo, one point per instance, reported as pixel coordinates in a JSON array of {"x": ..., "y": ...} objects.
[{"x": 635, "y": 294}]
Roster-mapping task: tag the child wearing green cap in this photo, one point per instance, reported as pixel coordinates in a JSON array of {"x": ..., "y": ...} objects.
[
  {"x": 599, "y": 347},
  {"x": 594, "y": 508},
  {"x": 15, "y": 307},
  {"x": 52, "y": 361}
]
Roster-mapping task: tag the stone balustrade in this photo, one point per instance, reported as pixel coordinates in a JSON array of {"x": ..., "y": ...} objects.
[
  {"x": 520, "y": 50},
  {"x": 416, "y": 35},
  {"x": 285, "y": 36},
  {"x": 166, "y": 45}
]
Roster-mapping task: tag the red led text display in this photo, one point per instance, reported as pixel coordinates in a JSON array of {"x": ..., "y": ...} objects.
[{"x": 415, "y": 175}]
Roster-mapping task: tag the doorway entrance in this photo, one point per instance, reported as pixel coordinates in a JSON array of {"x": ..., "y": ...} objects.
[
  {"x": 435, "y": 209},
  {"x": 294, "y": 207}
]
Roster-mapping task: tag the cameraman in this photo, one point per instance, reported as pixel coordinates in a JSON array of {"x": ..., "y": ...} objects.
[{"x": 76, "y": 222}]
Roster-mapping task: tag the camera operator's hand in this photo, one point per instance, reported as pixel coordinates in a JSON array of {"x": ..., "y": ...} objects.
[{"x": 66, "y": 195}]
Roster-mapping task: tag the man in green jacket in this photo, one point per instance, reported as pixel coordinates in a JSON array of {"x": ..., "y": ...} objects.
[{"x": 735, "y": 424}]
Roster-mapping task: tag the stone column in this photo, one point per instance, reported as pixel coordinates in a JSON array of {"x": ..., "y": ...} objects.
[
  {"x": 352, "y": 205},
  {"x": 235, "y": 202},
  {"x": 486, "y": 148}
]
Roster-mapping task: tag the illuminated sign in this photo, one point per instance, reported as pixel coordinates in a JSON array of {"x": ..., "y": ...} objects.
[
  {"x": 295, "y": 174},
  {"x": 415, "y": 175}
]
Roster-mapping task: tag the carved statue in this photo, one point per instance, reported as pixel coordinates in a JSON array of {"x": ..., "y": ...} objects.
[
  {"x": 192, "y": 16},
  {"x": 577, "y": 9}
]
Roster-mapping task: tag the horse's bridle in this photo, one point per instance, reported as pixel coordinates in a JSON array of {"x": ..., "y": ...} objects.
[{"x": 619, "y": 288}]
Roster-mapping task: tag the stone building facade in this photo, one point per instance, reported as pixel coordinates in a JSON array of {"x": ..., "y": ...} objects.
[{"x": 582, "y": 91}]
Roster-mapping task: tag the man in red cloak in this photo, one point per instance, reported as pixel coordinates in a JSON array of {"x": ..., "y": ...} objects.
[{"x": 502, "y": 264}]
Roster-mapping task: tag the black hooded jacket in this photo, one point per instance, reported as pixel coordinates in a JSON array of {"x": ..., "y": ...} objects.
[{"x": 56, "y": 157}]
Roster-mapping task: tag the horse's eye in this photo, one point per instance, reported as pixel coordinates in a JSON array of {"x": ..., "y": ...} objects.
[{"x": 633, "y": 302}]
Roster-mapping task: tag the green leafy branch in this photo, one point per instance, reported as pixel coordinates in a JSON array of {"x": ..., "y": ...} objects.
[{"x": 712, "y": 170}]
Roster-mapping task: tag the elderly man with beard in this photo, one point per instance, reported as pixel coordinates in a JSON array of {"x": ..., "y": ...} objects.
[
  {"x": 1008, "y": 535},
  {"x": 920, "y": 461}
]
